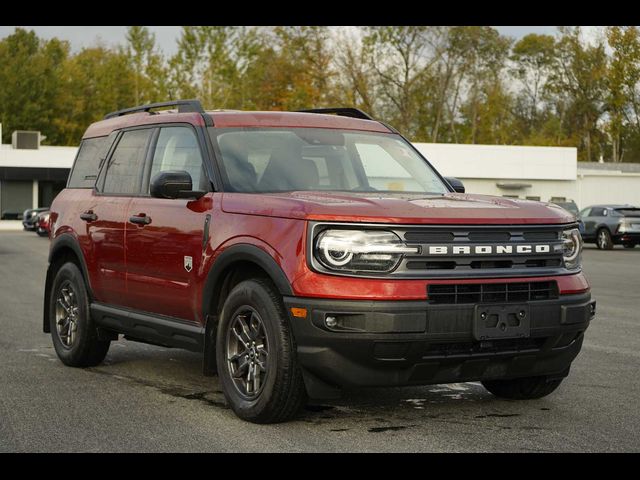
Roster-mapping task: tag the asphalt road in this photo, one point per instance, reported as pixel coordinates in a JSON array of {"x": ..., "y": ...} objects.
[{"x": 145, "y": 398}]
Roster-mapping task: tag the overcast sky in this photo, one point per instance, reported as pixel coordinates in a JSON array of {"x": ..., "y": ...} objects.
[{"x": 166, "y": 36}]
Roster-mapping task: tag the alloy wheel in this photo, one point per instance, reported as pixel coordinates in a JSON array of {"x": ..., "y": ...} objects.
[
  {"x": 67, "y": 314},
  {"x": 247, "y": 352}
]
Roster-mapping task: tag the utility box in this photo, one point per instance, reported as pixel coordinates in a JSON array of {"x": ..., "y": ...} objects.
[{"x": 25, "y": 140}]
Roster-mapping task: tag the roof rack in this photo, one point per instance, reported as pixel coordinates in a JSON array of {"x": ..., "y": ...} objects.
[
  {"x": 342, "y": 112},
  {"x": 183, "y": 106}
]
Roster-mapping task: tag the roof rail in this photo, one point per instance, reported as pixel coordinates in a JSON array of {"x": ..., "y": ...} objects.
[
  {"x": 192, "y": 105},
  {"x": 342, "y": 112}
]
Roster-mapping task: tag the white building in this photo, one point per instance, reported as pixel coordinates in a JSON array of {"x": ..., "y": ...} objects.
[
  {"x": 535, "y": 173},
  {"x": 31, "y": 175}
]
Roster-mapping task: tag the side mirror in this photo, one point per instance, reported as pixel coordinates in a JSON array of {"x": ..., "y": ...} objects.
[
  {"x": 455, "y": 184},
  {"x": 173, "y": 184}
]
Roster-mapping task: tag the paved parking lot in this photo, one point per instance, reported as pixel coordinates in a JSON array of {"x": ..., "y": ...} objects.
[{"x": 145, "y": 398}]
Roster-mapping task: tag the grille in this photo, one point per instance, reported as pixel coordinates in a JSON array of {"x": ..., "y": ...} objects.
[
  {"x": 448, "y": 251},
  {"x": 486, "y": 347},
  {"x": 492, "y": 292}
]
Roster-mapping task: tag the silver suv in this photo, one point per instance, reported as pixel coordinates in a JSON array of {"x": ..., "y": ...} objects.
[{"x": 609, "y": 225}]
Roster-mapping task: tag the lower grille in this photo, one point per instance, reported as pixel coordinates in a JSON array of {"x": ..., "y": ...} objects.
[
  {"x": 488, "y": 347},
  {"x": 492, "y": 292}
]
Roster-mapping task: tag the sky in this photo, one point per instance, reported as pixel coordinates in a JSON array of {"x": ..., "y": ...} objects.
[{"x": 166, "y": 36}]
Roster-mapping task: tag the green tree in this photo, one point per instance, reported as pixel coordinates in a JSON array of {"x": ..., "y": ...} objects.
[
  {"x": 150, "y": 73},
  {"x": 31, "y": 82}
]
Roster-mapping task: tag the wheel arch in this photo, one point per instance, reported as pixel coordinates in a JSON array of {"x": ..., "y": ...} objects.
[
  {"x": 234, "y": 264},
  {"x": 63, "y": 248}
]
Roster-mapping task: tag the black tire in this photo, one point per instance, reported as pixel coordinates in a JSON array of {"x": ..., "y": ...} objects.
[
  {"x": 282, "y": 393},
  {"x": 629, "y": 245},
  {"x": 527, "y": 388},
  {"x": 85, "y": 350},
  {"x": 603, "y": 239}
]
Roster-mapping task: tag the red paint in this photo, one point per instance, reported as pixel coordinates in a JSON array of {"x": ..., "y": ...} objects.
[{"x": 143, "y": 267}]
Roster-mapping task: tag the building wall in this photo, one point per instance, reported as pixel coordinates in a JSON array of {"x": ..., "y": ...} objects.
[
  {"x": 543, "y": 172},
  {"x": 597, "y": 187}
]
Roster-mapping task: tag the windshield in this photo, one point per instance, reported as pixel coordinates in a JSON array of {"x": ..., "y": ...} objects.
[{"x": 312, "y": 159}]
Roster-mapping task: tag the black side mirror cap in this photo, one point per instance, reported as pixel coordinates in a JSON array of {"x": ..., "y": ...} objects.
[
  {"x": 173, "y": 184},
  {"x": 456, "y": 184}
]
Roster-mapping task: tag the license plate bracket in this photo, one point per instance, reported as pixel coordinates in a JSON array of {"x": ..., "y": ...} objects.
[{"x": 501, "y": 321}]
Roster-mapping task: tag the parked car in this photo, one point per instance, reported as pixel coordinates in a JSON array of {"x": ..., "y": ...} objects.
[
  {"x": 609, "y": 225},
  {"x": 571, "y": 207},
  {"x": 305, "y": 252},
  {"x": 43, "y": 225},
  {"x": 30, "y": 216}
]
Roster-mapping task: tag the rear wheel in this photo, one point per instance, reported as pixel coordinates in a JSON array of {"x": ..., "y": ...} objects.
[
  {"x": 522, "y": 388},
  {"x": 603, "y": 240},
  {"x": 74, "y": 335},
  {"x": 256, "y": 355}
]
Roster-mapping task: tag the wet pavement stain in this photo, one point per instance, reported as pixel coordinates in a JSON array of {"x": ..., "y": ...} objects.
[
  {"x": 498, "y": 415},
  {"x": 389, "y": 429},
  {"x": 318, "y": 408}
]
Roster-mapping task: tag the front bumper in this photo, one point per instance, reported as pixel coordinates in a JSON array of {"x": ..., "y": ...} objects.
[{"x": 394, "y": 343}]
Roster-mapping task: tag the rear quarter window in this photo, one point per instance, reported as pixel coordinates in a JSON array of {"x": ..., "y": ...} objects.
[{"x": 87, "y": 163}]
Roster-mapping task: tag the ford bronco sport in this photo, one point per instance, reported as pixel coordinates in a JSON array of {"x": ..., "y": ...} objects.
[{"x": 303, "y": 253}]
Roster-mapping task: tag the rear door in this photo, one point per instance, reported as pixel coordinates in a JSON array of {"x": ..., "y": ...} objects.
[
  {"x": 165, "y": 253},
  {"x": 119, "y": 181}
]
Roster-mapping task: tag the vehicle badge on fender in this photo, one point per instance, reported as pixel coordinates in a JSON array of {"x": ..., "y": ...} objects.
[{"x": 188, "y": 263}]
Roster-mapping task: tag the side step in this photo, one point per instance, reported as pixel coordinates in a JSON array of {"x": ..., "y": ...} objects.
[{"x": 156, "y": 330}]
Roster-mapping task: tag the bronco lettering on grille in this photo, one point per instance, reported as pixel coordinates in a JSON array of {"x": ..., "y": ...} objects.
[{"x": 487, "y": 249}]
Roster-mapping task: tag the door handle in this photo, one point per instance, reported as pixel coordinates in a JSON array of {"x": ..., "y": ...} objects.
[
  {"x": 89, "y": 216},
  {"x": 140, "y": 219}
]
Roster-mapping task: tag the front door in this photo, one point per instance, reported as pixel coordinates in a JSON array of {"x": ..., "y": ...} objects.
[{"x": 165, "y": 250}]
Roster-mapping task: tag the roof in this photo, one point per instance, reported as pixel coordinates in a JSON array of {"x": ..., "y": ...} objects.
[
  {"x": 46, "y": 156},
  {"x": 230, "y": 119},
  {"x": 610, "y": 166}
]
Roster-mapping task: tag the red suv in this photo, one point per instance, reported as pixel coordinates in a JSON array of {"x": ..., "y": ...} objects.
[{"x": 305, "y": 252}]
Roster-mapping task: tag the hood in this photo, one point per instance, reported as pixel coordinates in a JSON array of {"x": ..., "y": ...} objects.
[{"x": 371, "y": 207}]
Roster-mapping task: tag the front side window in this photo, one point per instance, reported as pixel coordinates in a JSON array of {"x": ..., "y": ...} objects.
[
  {"x": 177, "y": 149},
  {"x": 124, "y": 171},
  {"x": 314, "y": 159}
]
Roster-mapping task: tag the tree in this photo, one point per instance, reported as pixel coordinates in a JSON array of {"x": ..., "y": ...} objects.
[
  {"x": 148, "y": 65},
  {"x": 533, "y": 60},
  {"x": 579, "y": 86},
  {"x": 30, "y": 77},
  {"x": 622, "y": 85}
]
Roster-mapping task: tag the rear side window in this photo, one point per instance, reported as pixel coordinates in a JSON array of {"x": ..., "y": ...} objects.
[
  {"x": 85, "y": 168},
  {"x": 124, "y": 171}
]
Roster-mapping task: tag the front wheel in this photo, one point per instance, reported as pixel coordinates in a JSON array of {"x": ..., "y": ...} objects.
[
  {"x": 522, "y": 388},
  {"x": 75, "y": 337},
  {"x": 604, "y": 241},
  {"x": 256, "y": 355}
]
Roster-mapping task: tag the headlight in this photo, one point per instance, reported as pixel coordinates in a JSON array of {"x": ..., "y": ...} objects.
[
  {"x": 360, "y": 250},
  {"x": 572, "y": 248}
]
